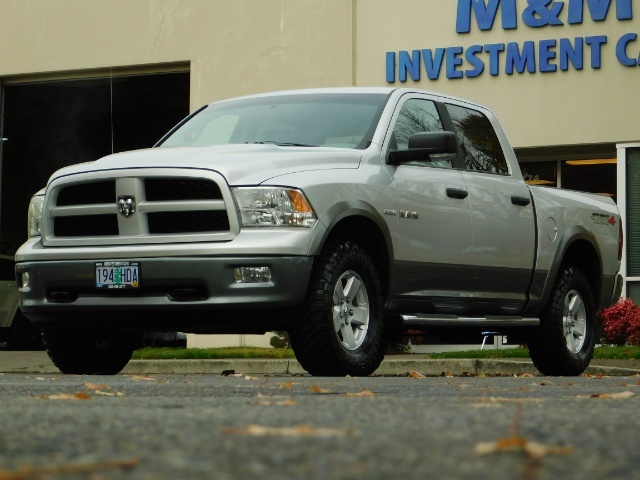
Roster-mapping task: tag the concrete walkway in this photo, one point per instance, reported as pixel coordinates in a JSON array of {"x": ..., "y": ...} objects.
[{"x": 394, "y": 365}]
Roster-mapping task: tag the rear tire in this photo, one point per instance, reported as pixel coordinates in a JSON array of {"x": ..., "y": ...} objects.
[
  {"x": 563, "y": 344},
  {"x": 88, "y": 353},
  {"x": 340, "y": 330}
]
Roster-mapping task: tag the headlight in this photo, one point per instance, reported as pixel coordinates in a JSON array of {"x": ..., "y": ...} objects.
[
  {"x": 35, "y": 215},
  {"x": 271, "y": 207}
]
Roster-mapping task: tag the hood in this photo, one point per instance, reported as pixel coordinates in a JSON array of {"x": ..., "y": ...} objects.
[{"x": 240, "y": 164}]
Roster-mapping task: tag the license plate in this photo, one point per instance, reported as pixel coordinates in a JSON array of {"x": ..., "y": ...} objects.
[{"x": 118, "y": 274}]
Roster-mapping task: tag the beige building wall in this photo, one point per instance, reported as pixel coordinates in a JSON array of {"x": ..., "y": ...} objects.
[
  {"x": 248, "y": 46},
  {"x": 541, "y": 109},
  {"x": 232, "y": 47}
]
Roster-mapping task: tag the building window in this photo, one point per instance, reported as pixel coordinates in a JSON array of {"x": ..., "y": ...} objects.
[
  {"x": 633, "y": 222},
  {"x": 540, "y": 173}
]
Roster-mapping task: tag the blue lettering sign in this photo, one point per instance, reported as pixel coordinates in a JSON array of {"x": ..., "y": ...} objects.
[
  {"x": 520, "y": 60},
  {"x": 571, "y": 53},
  {"x": 453, "y": 62},
  {"x": 598, "y": 10},
  {"x": 494, "y": 50},
  {"x": 621, "y": 50},
  {"x": 546, "y": 55},
  {"x": 391, "y": 67},
  {"x": 596, "y": 43},
  {"x": 433, "y": 63},
  {"x": 541, "y": 13},
  {"x": 485, "y": 14},
  {"x": 471, "y": 56},
  {"x": 409, "y": 64}
]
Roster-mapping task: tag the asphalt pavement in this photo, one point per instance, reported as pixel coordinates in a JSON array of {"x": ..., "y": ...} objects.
[{"x": 393, "y": 365}]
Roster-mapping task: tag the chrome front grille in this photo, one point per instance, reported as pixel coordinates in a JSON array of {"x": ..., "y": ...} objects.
[{"x": 169, "y": 206}]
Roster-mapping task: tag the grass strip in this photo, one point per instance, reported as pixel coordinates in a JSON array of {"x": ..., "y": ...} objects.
[
  {"x": 600, "y": 353},
  {"x": 166, "y": 353}
]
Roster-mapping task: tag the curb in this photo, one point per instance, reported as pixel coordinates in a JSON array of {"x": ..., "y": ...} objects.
[
  {"x": 398, "y": 367},
  {"x": 389, "y": 367}
]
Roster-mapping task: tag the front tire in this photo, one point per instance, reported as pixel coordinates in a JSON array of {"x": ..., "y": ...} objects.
[
  {"x": 340, "y": 330},
  {"x": 563, "y": 344},
  {"x": 88, "y": 353}
]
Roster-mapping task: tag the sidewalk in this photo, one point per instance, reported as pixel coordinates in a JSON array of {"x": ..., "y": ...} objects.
[{"x": 393, "y": 365}]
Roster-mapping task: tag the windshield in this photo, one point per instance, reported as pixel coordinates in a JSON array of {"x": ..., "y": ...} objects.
[{"x": 342, "y": 120}]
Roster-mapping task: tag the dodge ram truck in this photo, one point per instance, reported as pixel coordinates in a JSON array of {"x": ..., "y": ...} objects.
[{"x": 333, "y": 214}]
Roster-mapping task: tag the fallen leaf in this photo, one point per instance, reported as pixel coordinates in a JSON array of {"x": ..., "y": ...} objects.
[
  {"x": 139, "y": 377},
  {"x": 315, "y": 389},
  {"x": 297, "y": 431},
  {"x": 288, "y": 402},
  {"x": 626, "y": 394},
  {"x": 524, "y": 375},
  {"x": 92, "y": 386},
  {"x": 520, "y": 444},
  {"x": 67, "y": 396},
  {"x": 446, "y": 374},
  {"x": 108, "y": 394},
  {"x": 27, "y": 472},
  {"x": 569, "y": 384},
  {"x": 415, "y": 375},
  {"x": 247, "y": 377},
  {"x": 285, "y": 385},
  {"x": 365, "y": 393}
]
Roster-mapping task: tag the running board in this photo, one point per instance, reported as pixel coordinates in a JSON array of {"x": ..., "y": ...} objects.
[{"x": 423, "y": 320}]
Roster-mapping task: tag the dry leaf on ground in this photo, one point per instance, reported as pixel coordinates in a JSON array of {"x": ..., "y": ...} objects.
[
  {"x": 66, "y": 396},
  {"x": 619, "y": 395},
  {"x": 296, "y": 431},
  {"x": 520, "y": 444},
  {"x": 141, "y": 377},
  {"x": 92, "y": 386},
  {"x": 415, "y": 375},
  {"x": 365, "y": 393},
  {"x": 316, "y": 389},
  {"x": 30, "y": 473},
  {"x": 286, "y": 403}
]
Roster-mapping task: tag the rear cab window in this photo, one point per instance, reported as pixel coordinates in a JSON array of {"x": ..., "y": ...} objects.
[{"x": 479, "y": 145}]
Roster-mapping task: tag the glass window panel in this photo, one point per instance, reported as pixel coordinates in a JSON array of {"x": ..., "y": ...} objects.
[
  {"x": 481, "y": 149},
  {"x": 633, "y": 213}
]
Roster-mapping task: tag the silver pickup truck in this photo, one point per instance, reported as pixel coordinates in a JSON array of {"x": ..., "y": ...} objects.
[{"x": 333, "y": 214}]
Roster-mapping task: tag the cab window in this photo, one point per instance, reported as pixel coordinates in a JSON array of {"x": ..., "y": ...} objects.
[
  {"x": 417, "y": 116},
  {"x": 481, "y": 149}
]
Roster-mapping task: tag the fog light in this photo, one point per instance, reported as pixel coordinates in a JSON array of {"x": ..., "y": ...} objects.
[
  {"x": 252, "y": 274},
  {"x": 24, "y": 280}
]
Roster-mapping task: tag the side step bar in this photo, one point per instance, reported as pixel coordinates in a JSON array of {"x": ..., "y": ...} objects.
[{"x": 423, "y": 320}]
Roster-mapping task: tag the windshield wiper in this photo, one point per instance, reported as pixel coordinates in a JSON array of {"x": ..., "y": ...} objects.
[{"x": 282, "y": 144}]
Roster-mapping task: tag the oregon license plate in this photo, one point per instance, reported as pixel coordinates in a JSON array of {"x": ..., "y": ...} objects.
[{"x": 118, "y": 274}]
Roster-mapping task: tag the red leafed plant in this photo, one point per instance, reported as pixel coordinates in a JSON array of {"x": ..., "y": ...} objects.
[{"x": 621, "y": 322}]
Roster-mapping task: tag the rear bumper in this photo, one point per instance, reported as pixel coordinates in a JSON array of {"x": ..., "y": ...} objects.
[{"x": 188, "y": 294}]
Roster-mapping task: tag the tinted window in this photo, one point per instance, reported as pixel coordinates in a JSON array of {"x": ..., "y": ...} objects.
[
  {"x": 479, "y": 143},
  {"x": 415, "y": 116}
]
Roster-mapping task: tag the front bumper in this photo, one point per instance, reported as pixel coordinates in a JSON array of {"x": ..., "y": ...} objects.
[{"x": 196, "y": 294}]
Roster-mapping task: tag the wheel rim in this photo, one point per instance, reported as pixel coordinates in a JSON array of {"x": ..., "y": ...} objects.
[
  {"x": 574, "y": 321},
  {"x": 350, "y": 310}
]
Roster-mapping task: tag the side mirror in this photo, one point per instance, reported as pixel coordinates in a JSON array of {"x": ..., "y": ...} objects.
[{"x": 423, "y": 144}]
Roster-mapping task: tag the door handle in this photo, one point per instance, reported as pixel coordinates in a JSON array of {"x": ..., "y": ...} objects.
[
  {"x": 457, "y": 193},
  {"x": 518, "y": 200}
]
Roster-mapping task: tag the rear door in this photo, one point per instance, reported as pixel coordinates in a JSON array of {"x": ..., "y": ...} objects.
[{"x": 503, "y": 223}]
